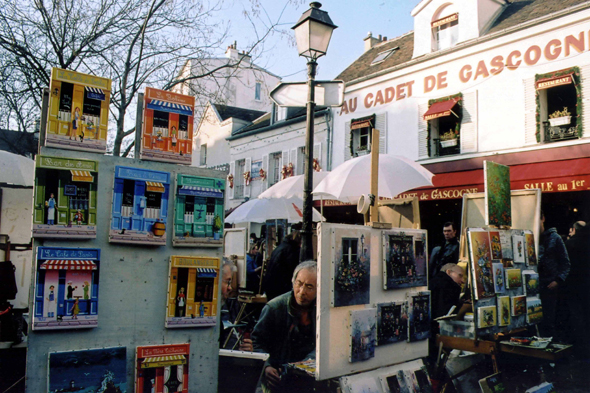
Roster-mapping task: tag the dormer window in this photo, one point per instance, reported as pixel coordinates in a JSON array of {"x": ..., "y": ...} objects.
[
  {"x": 382, "y": 56},
  {"x": 445, "y": 32}
]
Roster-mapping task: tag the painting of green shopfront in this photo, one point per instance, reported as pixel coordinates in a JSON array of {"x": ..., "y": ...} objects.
[
  {"x": 65, "y": 198},
  {"x": 198, "y": 218}
]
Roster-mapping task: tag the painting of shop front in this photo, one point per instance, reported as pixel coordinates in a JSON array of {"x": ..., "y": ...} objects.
[
  {"x": 65, "y": 198},
  {"x": 162, "y": 368},
  {"x": 78, "y": 111},
  {"x": 404, "y": 263},
  {"x": 66, "y": 288},
  {"x": 198, "y": 217},
  {"x": 167, "y": 127},
  {"x": 140, "y": 206},
  {"x": 192, "y": 292}
]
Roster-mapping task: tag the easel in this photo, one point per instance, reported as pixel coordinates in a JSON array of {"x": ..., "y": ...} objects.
[{"x": 373, "y": 214}]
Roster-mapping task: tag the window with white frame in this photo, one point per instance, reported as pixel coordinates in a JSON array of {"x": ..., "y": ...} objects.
[
  {"x": 445, "y": 32},
  {"x": 274, "y": 167},
  {"x": 257, "y": 91},
  {"x": 239, "y": 179},
  {"x": 203, "y": 154}
]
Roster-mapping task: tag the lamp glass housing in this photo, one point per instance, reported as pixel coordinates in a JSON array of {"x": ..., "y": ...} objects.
[{"x": 313, "y": 38}]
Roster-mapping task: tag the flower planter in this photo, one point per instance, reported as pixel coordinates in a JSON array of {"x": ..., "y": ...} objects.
[
  {"x": 449, "y": 143},
  {"x": 560, "y": 121}
]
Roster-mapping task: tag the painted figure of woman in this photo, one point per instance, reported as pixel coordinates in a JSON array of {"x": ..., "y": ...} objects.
[
  {"x": 75, "y": 309},
  {"x": 180, "y": 303},
  {"x": 173, "y": 133},
  {"x": 75, "y": 123},
  {"x": 50, "y": 203},
  {"x": 51, "y": 302},
  {"x": 85, "y": 288}
]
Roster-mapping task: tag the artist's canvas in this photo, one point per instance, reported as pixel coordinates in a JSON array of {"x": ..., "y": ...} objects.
[
  {"x": 497, "y": 197},
  {"x": 531, "y": 254},
  {"x": 534, "y": 310},
  {"x": 403, "y": 266},
  {"x": 503, "y": 310},
  {"x": 162, "y": 368},
  {"x": 360, "y": 383},
  {"x": 530, "y": 281},
  {"x": 419, "y": 316},
  {"x": 352, "y": 264},
  {"x": 518, "y": 305},
  {"x": 394, "y": 383},
  {"x": 495, "y": 245},
  {"x": 392, "y": 322},
  {"x": 481, "y": 262},
  {"x": 498, "y": 272},
  {"x": 363, "y": 334},
  {"x": 518, "y": 249},
  {"x": 421, "y": 381},
  {"x": 88, "y": 371},
  {"x": 486, "y": 316},
  {"x": 506, "y": 243},
  {"x": 513, "y": 278}
]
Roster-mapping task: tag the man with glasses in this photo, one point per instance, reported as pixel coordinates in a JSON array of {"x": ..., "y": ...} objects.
[
  {"x": 287, "y": 326},
  {"x": 229, "y": 311}
]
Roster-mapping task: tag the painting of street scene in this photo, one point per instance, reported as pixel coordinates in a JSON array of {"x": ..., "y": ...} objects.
[
  {"x": 419, "y": 316},
  {"x": 400, "y": 266},
  {"x": 88, "y": 371},
  {"x": 363, "y": 334},
  {"x": 392, "y": 322},
  {"x": 481, "y": 261},
  {"x": 351, "y": 267}
]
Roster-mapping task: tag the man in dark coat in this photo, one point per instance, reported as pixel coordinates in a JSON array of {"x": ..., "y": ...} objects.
[
  {"x": 577, "y": 286},
  {"x": 282, "y": 263},
  {"x": 445, "y": 289},
  {"x": 448, "y": 252},
  {"x": 554, "y": 266}
]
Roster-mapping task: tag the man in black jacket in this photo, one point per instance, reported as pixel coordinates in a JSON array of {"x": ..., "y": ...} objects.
[
  {"x": 280, "y": 268},
  {"x": 448, "y": 252},
  {"x": 445, "y": 289}
]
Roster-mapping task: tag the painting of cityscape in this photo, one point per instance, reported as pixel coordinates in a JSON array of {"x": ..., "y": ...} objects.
[
  {"x": 419, "y": 316},
  {"x": 351, "y": 266},
  {"x": 481, "y": 262},
  {"x": 403, "y": 267},
  {"x": 363, "y": 334},
  {"x": 88, "y": 371},
  {"x": 392, "y": 322}
]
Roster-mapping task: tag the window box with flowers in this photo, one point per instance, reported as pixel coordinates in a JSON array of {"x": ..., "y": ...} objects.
[{"x": 560, "y": 118}]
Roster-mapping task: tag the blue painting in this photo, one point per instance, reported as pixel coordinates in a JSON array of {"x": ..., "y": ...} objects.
[
  {"x": 404, "y": 263},
  {"x": 352, "y": 265},
  {"x": 88, "y": 371}
]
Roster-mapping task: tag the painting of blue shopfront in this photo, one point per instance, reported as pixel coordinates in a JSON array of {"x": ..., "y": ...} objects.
[
  {"x": 198, "y": 218},
  {"x": 140, "y": 206},
  {"x": 66, "y": 288}
]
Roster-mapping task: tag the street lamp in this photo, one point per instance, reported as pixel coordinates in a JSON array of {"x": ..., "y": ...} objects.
[{"x": 312, "y": 33}]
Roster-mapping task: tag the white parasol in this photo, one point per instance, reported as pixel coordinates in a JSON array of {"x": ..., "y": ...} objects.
[
  {"x": 352, "y": 179},
  {"x": 260, "y": 210},
  {"x": 292, "y": 186}
]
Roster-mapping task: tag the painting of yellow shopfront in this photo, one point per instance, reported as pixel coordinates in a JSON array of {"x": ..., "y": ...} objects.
[
  {"x": 192, "y": 292},
  {"x": 78, "y": 111}
]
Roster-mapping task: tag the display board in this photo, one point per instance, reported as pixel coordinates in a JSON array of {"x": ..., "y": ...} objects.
[
  {"x": 235, "y": 241},
  {"x": 351, "y": 288},
  {"x": 405, "y": 377}
]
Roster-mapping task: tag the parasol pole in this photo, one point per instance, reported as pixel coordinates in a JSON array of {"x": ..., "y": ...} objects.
[{"x": 374, "y": 213}]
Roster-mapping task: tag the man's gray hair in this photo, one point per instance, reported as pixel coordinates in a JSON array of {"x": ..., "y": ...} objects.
[
  {"x": 232, "y": 266},
  {"x": 449, "y": 266},
  {"x": 307, "y": 265}
]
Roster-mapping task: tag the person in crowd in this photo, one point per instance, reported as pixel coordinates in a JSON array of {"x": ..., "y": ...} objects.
[
  {"x": 287, "y": 327},
  {"x": 253, "y": 239},
  {"x": 577, "y": 286},
  {"x": 252, "y": 270},
  {"x": 554, "y": 266},
  {"x": 229, "y": 312},
  {"x": 445, "y": 289},
  {"x": 282, "y": 263},
  {"x": 447, "y": 252}
]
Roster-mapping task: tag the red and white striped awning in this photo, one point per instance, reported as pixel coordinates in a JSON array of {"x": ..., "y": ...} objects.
[
  {"x": 68, "y": 264},
  {"x": 155, "y": 186}
]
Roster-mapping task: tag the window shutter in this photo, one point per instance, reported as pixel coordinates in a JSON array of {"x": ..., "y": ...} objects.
[
  {"x": 232, "y": 170},
  {"x": 347, "y": 155},
  {"x": 265, "y": 168},
  {"x": 381, "y": 125},
  {"x": 293, "y": 159},
  {"x": 422, "y": 132},
  {"x": 530, "y": 109},
  {"x": 585, "y": 79},
  {"x": 317, "y": 152},
  {"x": 248, "y": 168},
  {"x": 469, "y": 123}
]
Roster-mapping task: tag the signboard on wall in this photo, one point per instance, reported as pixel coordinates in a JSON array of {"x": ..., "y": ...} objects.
[{"x": 167, "y": 131}]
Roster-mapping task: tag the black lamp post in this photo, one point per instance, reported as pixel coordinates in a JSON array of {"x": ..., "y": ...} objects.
[{"x": 312, "y": 33}]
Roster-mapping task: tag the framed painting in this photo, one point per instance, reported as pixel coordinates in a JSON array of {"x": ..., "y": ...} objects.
[
  {"x": 392, "y": 322},
  {"x": 498, "y": 210},
  {"x": 518, "y": 248},
  {"x": 162, "y": 368},
  {"x": 518, "y": 305},
  {"x": 404, "y": 260},
  {"x": 498, "y": 271},
  {"x": 352, "y": 262},
  {"x": 481, "y": 263},
  {"x": 531, "y": 254},
  {"x": 486, "y": 317},
  {"x": 419, "y": 316},
  {"x": 88, "y": 370},
  {"x": 363, "y": 334},
  {"x": 513, "y": 278},
  {"x": 503, "y": 310},
  {"x": 534, "y": 310},
  {"x": 530, "y": 281}
]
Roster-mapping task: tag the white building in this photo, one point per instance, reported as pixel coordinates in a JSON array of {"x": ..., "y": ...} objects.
[{"x": 478, "y": 80}]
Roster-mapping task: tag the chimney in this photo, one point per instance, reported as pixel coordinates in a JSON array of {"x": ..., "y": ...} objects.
[
  {"x": 232, "y": 51},
  {"x": 371, "y": 41}
]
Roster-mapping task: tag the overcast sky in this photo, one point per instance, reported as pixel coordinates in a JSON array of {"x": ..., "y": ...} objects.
[{"x": 354, "y": 18}]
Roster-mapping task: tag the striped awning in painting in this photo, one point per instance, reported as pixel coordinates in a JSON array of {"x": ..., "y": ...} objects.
[
  {"x": 155, "y": 186},
  {"x": 84, "y": 176},
  {"x": 206, "y": 272},
  {"x": 166, "y": 106},
  {"x": 200, "y": 191},
  {"x": 68, "y": 264},
  {"x": 163, "y": 361},
  {"x": 95, "y": 93}
]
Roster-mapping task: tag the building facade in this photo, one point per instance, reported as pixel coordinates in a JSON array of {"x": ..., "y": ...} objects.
[{"x": 479, "y": 80}]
